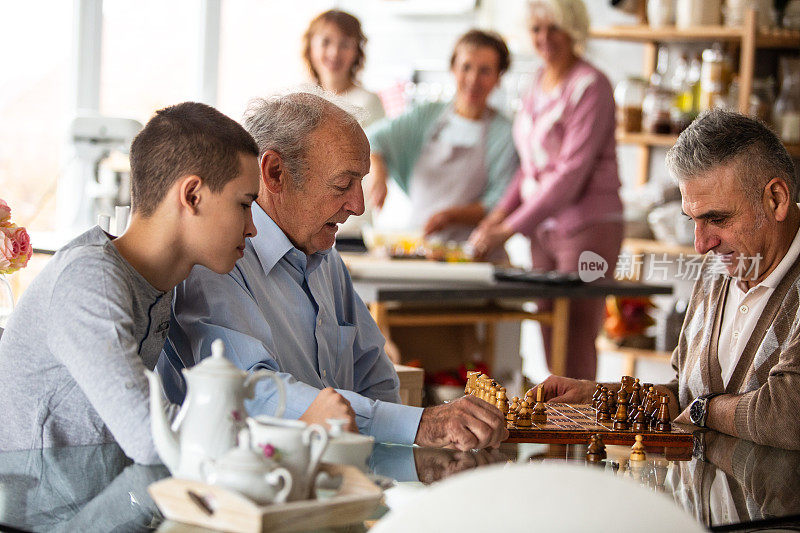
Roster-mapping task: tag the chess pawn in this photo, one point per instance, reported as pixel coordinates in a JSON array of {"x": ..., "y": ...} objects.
[
  {"x": 663, "y": 420},
  {"x": 637, "y": 450},
  {"x": 539, "y": 414},
  {"x": 621, "y": 418},
  {"x": 640, "y": 421},
  {"x": 603, "y": 412},
  {"x": 596, "y": 451},
  {"x": 612, "y": 400},
  {"x": 524, "y": 415},
  {"x": 511, "y": 419},
  {"x": 502, "y": 402}
]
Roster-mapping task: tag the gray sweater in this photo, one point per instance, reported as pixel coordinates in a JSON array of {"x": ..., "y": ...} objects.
[{"x": 74, "y": 351}]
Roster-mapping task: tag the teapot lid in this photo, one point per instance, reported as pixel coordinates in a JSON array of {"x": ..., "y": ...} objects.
[
  {"x": 243, "y": 457},
  {"x": 338, "y": 434},
  {"x": 217, "y": 364}
]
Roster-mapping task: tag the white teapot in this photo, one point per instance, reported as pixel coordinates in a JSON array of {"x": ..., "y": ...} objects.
[
  {"x": 212, "y": 413},
  {"x": 297, "y": 445},
  {"x": 248, "y": 472}
]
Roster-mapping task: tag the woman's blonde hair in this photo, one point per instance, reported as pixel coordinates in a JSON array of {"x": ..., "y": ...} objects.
[
  {"x": 349, "y": 26},
  {"x": 569, "y": 15}
]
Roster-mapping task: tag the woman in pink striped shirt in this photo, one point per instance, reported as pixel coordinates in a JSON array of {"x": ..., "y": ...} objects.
[{"x": 565, "y": 195}]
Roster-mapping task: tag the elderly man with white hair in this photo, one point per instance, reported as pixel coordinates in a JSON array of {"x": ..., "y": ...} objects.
[{"x": 289, "y": 304}]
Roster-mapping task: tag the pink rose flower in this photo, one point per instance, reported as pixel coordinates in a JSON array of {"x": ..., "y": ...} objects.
[
  {"x": 5, "y": 213},
  {"x": 6, "y": 252},
  {"x": 15, "y": 248}
]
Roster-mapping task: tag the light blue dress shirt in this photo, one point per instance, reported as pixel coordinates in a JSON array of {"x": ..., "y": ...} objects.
[{"x": 295, "y": 314}]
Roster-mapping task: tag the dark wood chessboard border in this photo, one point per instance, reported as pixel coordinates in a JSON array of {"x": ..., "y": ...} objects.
[{"x": 551, "y": 433}]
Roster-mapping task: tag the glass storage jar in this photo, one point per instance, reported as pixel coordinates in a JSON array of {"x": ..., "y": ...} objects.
[{"x": 629, "y": 95}]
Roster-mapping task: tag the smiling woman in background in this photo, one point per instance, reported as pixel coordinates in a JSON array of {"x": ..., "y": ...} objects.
[
  {"x": 333, "y": 50},
  {"x": 565, "y": 197},
  {"x": 453, "y": 159}
]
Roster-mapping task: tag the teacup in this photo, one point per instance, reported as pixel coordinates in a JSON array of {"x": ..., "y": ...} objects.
[
  {"x": 297, "y": 446},
  {"x": 346, "y": 448}
]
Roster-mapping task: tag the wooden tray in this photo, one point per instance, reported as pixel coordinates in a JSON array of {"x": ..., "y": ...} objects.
[{"x": 212, "y": 507}]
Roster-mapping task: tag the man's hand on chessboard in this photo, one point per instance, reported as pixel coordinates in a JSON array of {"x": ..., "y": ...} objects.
[
  {"x": 567, "y": 390},
  {"x": 464, "y": 424}
]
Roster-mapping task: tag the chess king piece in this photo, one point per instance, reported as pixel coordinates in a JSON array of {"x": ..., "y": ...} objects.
[
  {"x": 637, "y": 450},
  {"x": 539, "y": 414},
  {"x": 663, "y": 420},
  {"x": 596, "y": 451},
  {"x": 621, "y": 418}
]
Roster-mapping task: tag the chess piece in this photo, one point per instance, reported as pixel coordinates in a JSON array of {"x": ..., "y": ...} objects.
[
  {"x": 511, "y": 419},
  {"x": 524, "y": 415},
  {"x": 539, "y": 414},
  {"x": 636, "y": 397},
  {"x": 612, "y": 401},
  {"x": 470, "y": 387},
  {"x": 640, "y": 421},
  {"x": 598, "y": 390},
  {"x": 603, "y": 411},
  {"x": 502, "y": 401},
  {"x": 663, "y": 420},
  {"x": 637, "y": 450},
  {"x": 596, "y": 450},
  {"x": 621, "y": 418}
]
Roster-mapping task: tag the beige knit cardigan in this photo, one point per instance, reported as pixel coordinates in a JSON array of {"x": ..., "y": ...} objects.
[{"x": 768, "y": 372}]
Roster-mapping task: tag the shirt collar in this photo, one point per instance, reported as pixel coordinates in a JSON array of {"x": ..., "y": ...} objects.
[{"x": 271, "y": 244}]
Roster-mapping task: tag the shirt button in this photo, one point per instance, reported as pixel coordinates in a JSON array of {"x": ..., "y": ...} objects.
[
  {"x": 744, "y": 309},
  {"x": 324, "y": 373},
  {"x": 735, "y": 334},
  {"x": 129, "y": 385}
]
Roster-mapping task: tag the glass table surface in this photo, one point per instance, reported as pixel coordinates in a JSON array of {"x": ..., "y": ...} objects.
[{"x": 733, "y": 485}]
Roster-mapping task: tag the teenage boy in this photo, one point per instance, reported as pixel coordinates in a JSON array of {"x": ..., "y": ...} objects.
[{"x": 73, "y": 355}]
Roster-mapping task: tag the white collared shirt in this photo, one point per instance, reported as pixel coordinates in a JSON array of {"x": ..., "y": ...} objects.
[{"x": 743, "y": 309}]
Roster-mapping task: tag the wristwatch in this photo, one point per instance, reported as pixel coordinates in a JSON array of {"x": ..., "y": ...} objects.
[{"x": 698, "y": 409}]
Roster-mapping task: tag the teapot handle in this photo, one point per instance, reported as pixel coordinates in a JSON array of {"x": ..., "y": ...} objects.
[
  {"x": 316, "y": 438},
  {"x": 251, "y": 380},
  {"x": 277, "y": 475}
]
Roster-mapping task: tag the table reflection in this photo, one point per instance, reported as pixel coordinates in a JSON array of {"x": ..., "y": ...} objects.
[{"x": 97, "y": 488}]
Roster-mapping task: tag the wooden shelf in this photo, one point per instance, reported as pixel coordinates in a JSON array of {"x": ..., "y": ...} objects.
[
  {"x": 648, "y": 246},
  {"x": 776, "y": 38},
  {"x": 667, "y": 140},
  {"x": 649, "y": 139}
]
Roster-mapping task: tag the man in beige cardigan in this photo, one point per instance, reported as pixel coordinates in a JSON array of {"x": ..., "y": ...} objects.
[{"x": 737, "y": 362}]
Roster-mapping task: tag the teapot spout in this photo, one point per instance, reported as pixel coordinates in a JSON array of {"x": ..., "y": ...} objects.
[{"x": 165, "y": 440}]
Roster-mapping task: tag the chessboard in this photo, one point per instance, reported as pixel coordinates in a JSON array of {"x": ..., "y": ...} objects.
[
  {"x": 575, "y": 424},
  {"x": 617, "y": 416}
]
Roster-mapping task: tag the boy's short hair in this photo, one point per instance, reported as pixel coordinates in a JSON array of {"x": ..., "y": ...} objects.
[{"x": 185, "y": 139}]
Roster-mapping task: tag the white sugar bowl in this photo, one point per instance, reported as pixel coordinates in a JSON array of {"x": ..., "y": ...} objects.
[
  {"x": 249, "y": 472},
  {"x": 347, "y": 448}
]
